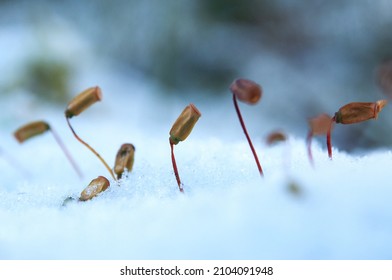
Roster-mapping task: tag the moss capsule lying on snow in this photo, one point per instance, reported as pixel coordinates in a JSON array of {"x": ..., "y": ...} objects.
[{"x": 95, "y": 187}]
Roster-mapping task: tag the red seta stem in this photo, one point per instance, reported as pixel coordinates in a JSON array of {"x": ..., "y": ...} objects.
[
  {"x": 309, "y": 143},
  {"x": 92, "y": 150},
  {"x": 66, "y": 152},
  {"x": 329, "y": 144},
  {"x": 175, "y": 167},
  {"x": 14, "y": 163},
  {"x": 247, "y": 135}
]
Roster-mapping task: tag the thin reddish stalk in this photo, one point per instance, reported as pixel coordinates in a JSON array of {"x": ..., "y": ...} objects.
[
  {"x": 329, "y": 145},
  {"x": 92, "y": 150},
  {"x": 66, "y": 152},
  {"x": 309, "y": 143},
  {"x": 175, "y": 167},
  {"x": 14, "y": 163},
  {"x": 247, "y": 135}
]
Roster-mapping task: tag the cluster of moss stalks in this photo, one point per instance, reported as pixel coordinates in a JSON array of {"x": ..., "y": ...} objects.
[{"x": 244, "y": 90}]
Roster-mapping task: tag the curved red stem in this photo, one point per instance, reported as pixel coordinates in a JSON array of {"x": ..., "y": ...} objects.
[{"x": 247, "y": 135}]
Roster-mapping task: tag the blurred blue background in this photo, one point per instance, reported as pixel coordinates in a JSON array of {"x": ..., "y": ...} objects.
[{"x": 309, "y": 56}]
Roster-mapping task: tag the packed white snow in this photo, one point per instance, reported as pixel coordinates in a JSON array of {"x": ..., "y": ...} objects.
[{"x": 338, "y": 209}]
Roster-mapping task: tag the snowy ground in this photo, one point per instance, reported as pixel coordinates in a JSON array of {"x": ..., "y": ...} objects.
[{"x": 342, "y": 209}]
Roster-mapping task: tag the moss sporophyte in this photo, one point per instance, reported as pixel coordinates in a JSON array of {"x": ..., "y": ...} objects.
[
  {"x": 77, "y": 105},
  {"x": 124, "y": 159},
  {"x": 354, "y": 112},
  {"x": 95, "y": 187},
  {"x": 32, "y": 129},
  {"x": 248, "y": 92},
  {"x": 180, "y": 130}
]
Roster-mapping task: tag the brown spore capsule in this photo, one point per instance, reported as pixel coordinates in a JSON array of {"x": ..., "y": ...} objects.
[
  {"x": 246, "y": 91},
  {"x": 124, "y": 159},
  {"x": 82, "y": 101},
  {"x": 276, "y": 137},
  {"x": 356, "y": 112},
  {"x": 30, "y": 130},
  {"x": 95, "y": 187},
  {"x": 184, "y": 124}
]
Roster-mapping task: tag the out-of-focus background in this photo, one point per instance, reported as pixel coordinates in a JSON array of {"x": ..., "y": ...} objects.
[{"x": 309, "y": 56}]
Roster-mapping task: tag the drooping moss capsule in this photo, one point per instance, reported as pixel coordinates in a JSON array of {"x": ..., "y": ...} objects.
[
  {"x": 359, "y": 111},
  {"x": 95, "y": 187},
  {"x": 124, "y": 159},
  {"x": 77, "y": 105},
  {"x": 184, "y": 124},
  {"x": 246, "y": 91},
  {"x": 39, "y": 127},
  {"x": 82, "y": 101},
  {"x": 355, "y": 112},
  {"x": 249, "y": 92},
  {"x": 30, "y": 130}
]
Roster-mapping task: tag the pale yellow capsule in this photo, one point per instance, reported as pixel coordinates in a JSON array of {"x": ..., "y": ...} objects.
[{"x": 184, "y": 124}]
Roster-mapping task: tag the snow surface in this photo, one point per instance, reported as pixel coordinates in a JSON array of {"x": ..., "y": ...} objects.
[{"x": 340, "y": 210}]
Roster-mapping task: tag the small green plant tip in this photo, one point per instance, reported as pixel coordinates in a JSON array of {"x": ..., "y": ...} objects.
[
  {"x": 246, "y": 91},
  {"x": 184, "y": 124},
  {"x": 30, "y": 130},
  {"x": 95, "y": 187},
  {"x": 356, "y": 112},
  {"x": 82, "y": 101},
  {"x": 124, "y": 159}
]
